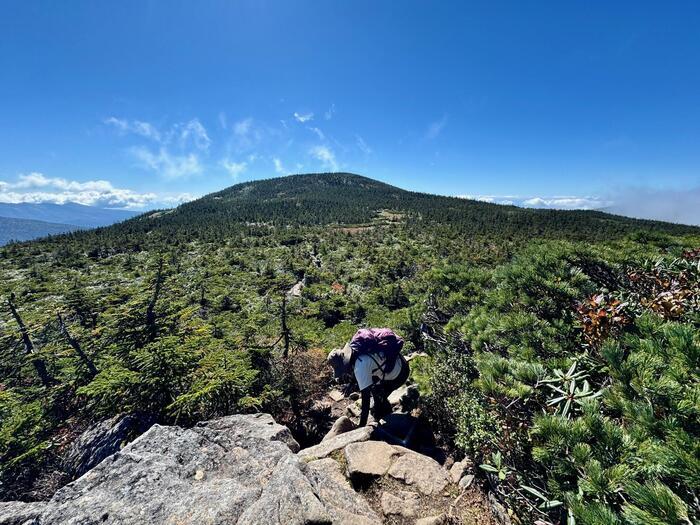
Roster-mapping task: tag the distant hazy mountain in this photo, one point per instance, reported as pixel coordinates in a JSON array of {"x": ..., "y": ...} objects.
[
  {"x": 24, "y": 221},
  {"x": 27, "y": 229},
  {"x": 70, "y": 213}
]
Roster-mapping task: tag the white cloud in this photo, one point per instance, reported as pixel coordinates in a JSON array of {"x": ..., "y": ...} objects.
[
  {"x": 565, "y": 203},
  {"x": 279, "y": 168},
  {"x": 195, "y": 131},
  {"x": 36, "y": 187},
  {"x": 558, "y": 203},
  {"x": 137, "y": 127},
  {"x": 179, "y": 145},
  {"x": 496, "y": 199},
  {"x": 166, "y": 164},
  {"x": 329, "y": 112},
  {"x": 303, "y": 117},
  {"x": 318, "y": 132},
  {"x": 234, "y": 168},
  {"x": 246, "y": 135},
  {"x": 242, "y": 127},
  {"x": 435, "y": 128},
  {"x": 362, "y": 145},
  {"x": 183, "y": 131},
  {"x": 326, "y": 156}
]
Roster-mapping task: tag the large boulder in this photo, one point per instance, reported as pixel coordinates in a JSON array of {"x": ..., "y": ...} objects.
[
  {"x": 101, "y": 440},
  {"x": 239, "y": 469}
]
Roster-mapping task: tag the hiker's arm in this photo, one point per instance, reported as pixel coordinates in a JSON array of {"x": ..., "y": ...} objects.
[{"x": 364, "y": 414}]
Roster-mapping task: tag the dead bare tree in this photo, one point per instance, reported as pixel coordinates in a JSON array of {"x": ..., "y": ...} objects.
[
  {"x": 75, "y": 345},
  {"x": 39, "y": 364},
  {"x": 285, "y": 329},
  {"x": 151, "y": 326}
]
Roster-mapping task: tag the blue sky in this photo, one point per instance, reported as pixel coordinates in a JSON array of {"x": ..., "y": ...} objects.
[{"x": 145, "y": 103}]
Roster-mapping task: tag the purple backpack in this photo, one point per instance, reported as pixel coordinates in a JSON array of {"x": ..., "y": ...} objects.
[{"x": 371, "y": 340}]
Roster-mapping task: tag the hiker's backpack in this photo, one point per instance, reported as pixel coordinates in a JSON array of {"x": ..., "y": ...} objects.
[{"x": 368, "y": 341}]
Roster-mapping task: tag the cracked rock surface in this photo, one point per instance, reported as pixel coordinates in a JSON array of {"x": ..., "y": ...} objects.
[{"x": 238, "y": 469}]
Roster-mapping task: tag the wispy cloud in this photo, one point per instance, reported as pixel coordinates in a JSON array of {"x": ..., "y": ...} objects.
[
  {"x": 166, "y": 164},
  {"x": 303, "y": 117},
  {"x": 177, "y": 154},
  {"x": 362, "y": 145},
  {"x": 318, "y": 133},
  {"x": 435, "y": 128},
  {"x": 223, "y": 121},
  {"x": 35, "y": 188},
  {"x": 233, "y": 168},
  {"x": 279, "y": 167},
  {"x": 329, "y": 112},
  {"x": 326, "y": 156},
  {"x": 137, "y": 127},
  {"x": 242, "y": 127},
  {"x": 195, "y": 131}
]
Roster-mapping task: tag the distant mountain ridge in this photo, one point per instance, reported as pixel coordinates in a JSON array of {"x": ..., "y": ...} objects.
[
  {"x": 28, "y": 229},
  {"x": 69, "y": 213},
  {"x": 26, "y": 221}
]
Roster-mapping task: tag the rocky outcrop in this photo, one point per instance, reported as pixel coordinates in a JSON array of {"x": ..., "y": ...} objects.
[
  {"x": 101, "y": 440},
  {"x": 248, "y": 470},
  {"x": 238, "y": 469}
]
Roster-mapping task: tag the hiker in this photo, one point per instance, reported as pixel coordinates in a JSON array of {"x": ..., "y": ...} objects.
[{"x": 374, "y": 358}]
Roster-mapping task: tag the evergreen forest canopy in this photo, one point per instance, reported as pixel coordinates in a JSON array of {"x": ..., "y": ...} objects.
[{"x": 563, "y": 347}]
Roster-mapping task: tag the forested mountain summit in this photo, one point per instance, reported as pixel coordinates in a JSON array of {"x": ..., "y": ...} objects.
[{"x": 346, "y": 199}]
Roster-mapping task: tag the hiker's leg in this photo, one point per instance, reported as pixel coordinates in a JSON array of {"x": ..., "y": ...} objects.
[{"x": 381, "y": 405}]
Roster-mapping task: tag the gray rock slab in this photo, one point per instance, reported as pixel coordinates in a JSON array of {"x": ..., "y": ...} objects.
[
  {"x": 418, "y": 470},
  {"x": 234, "y": 470},
  {"x": 403, "y": 503},
  {"x": 458, "y": 470},
  {"x": 369, "y": 458},
  {"x": 347, "y": 506},
  {"x": 342, "y": 425},
  {"x": 101, "y": 440},
  {"x": 325, "y": 448},
  {"x": 20, "y": 513},
  {"x": 466, "y": 481}
]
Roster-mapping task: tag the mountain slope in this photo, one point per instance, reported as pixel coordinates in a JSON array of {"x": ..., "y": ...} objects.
[
  {"x": 323, "y": 199},
  {"x": 343, "y": 198},
  {"x": 69, "y": 213},
  {"x": 27, "y": 229}
]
